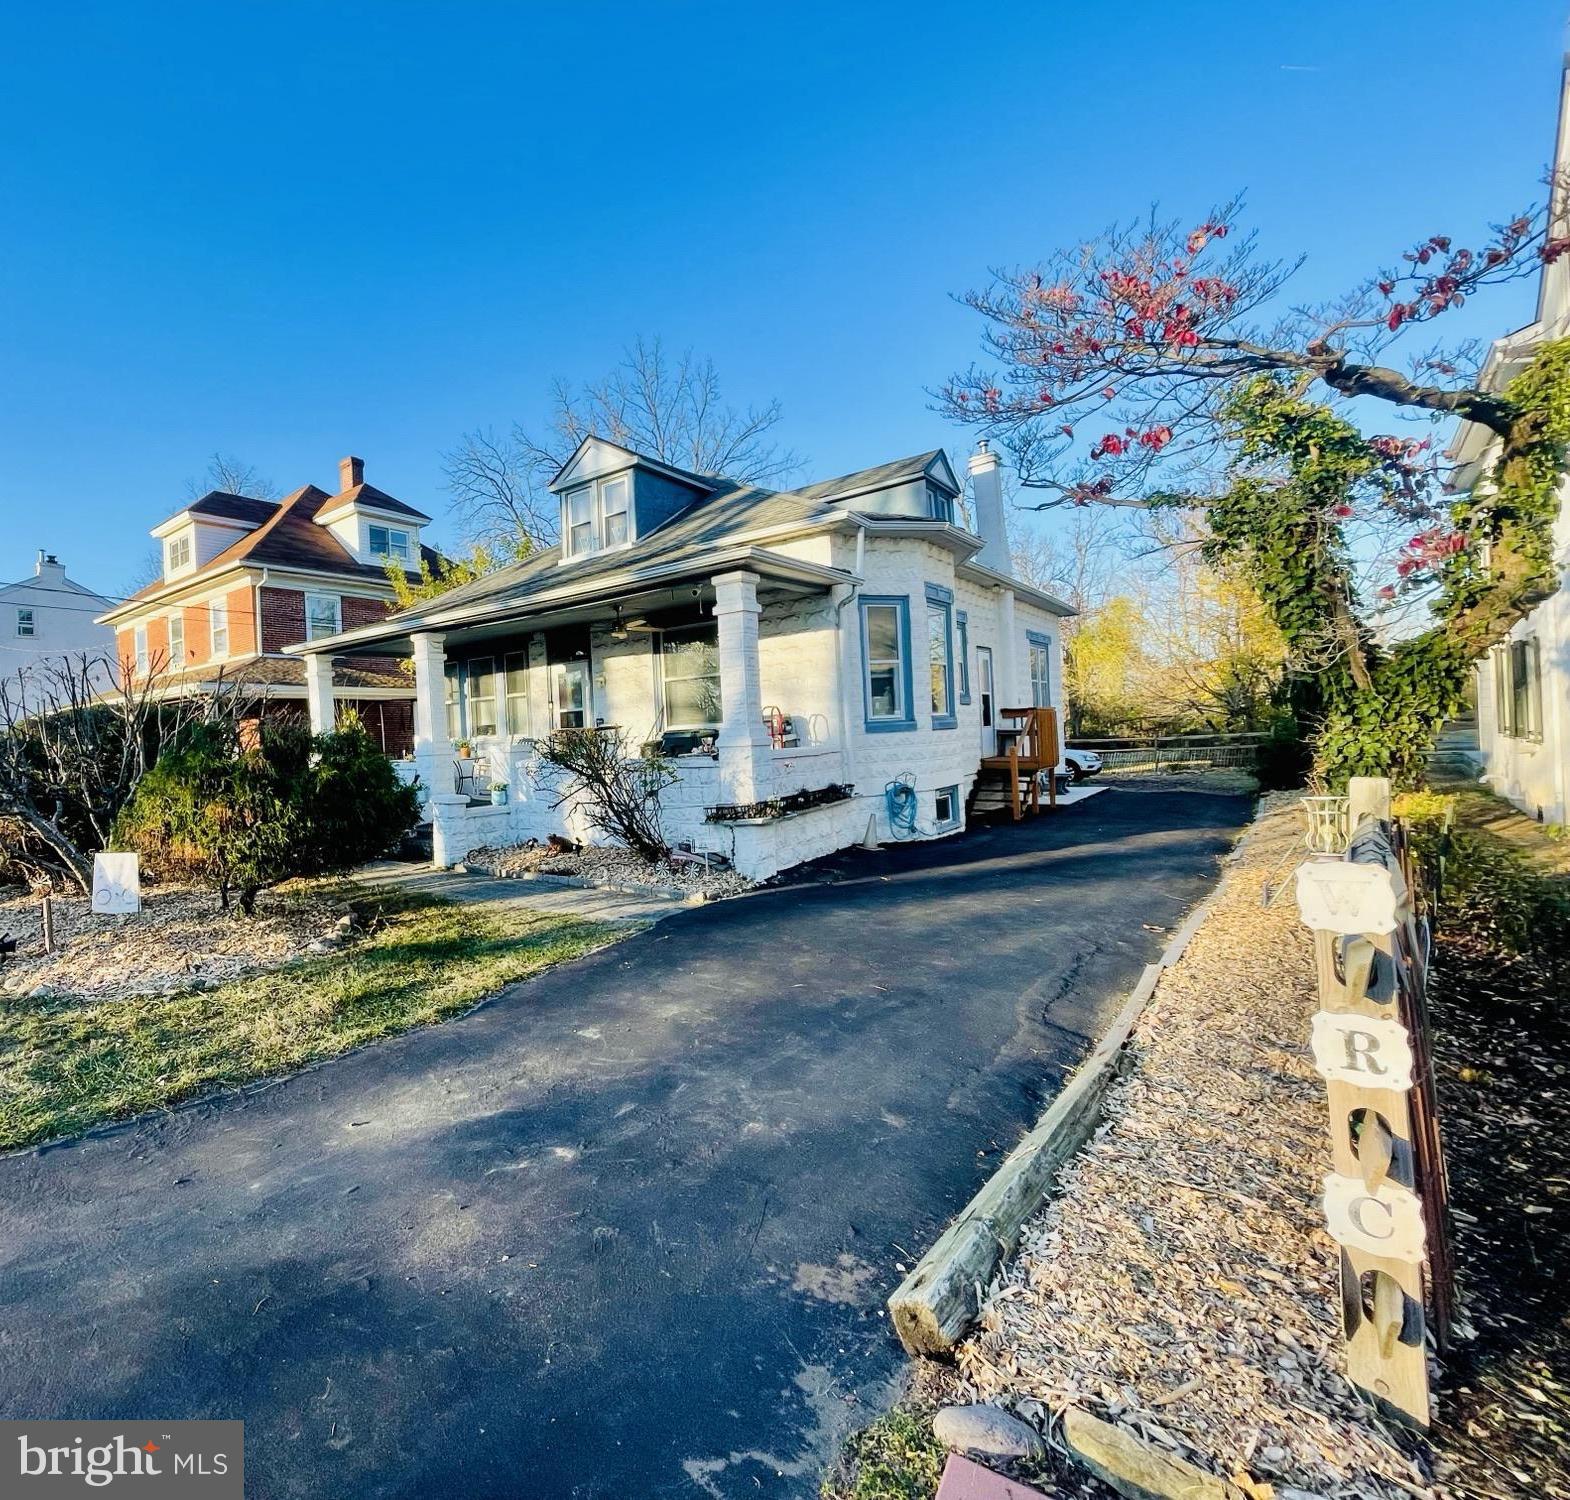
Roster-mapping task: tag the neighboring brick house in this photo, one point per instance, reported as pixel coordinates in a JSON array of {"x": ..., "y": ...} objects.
[
  {"x": 244, "y": 578},
  {"x": 856, "y": 632}
]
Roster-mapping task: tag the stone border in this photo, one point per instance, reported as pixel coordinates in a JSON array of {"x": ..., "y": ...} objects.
[
  {"x": 583, "y": 883},
  {"x": 939, "y": 1302}
]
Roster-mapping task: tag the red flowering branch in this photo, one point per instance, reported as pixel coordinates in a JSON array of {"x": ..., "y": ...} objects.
[{"x": 1108, "y": 362}]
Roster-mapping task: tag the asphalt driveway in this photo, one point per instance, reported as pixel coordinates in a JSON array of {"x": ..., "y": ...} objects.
[{"x": 627, "y": 1230}]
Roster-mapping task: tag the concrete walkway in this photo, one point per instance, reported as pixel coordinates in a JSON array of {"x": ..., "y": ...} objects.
[
  {"x": 545, "y": 895},
  {"x": 627, "y": 1230}
]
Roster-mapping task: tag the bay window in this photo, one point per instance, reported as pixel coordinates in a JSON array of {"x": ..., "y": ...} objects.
[
  {"x": 940, "y": 655},
  {"x": 886, "y": 663}
]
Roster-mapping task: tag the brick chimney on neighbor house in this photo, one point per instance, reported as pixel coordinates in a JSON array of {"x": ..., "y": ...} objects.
[
  {"x": 986, "y": 489},
  {"x": 351, "y": 471}
]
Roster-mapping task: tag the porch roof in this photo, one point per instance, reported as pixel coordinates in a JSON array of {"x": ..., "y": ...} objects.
[{"x": 636, "y": 586}]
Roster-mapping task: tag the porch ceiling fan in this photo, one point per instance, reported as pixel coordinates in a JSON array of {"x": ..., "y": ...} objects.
[{"x": 621, "y": 629}]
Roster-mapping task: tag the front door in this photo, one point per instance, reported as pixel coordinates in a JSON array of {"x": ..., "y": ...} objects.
[
  {"x": 571, "y": 694},
  {"x": 989, "y": 717}
]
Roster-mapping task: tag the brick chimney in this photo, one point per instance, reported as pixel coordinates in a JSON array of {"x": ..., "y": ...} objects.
[
  {"x": 986, "y": 489},
  {"x": 351, "y": 471}
]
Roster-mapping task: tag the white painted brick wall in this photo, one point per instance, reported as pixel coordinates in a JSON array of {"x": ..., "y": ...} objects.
[{"x": 797, "y": 664}]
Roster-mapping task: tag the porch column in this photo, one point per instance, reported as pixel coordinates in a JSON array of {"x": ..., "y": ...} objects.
[
  {"x": 319, "y": 693},
  {"x": 743, "y": 740},
  {"x": 433, "y": 751}
]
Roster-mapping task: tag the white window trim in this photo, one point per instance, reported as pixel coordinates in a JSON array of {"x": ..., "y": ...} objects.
[
  {"x": 337, "y": 603},
  {"x": 216, "y": 609},
  {"x": 172, "y": 567},
  {"x": 177, "y": 618},
  {"x": 139, "y": 646},
  {"x": 406, "y": 557},
  {"x": 596, "y": 490},
  {"x": 660, "y": 678},
  {"x": 25, "y": 616}
]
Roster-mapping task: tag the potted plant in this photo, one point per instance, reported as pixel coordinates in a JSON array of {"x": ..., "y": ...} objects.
[
  {"x": 499, "y": 793},
  {"x": 464, "y": 752}
]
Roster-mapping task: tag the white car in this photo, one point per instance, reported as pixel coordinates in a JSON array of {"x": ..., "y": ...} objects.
[{"x": 1078, "y": 764}]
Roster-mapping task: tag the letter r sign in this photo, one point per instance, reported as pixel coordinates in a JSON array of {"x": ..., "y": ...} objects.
[{"x": 1368, "y": 1051}]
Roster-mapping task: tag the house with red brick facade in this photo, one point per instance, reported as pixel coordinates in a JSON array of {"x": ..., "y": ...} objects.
[{"x": 243, "y": 578}]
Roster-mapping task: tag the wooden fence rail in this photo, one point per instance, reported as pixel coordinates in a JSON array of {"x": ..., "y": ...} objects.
[{"x": 1385, "y": 1199}]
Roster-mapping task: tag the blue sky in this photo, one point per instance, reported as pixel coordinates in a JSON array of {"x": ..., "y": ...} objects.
[{"x": 290, "y": 232}]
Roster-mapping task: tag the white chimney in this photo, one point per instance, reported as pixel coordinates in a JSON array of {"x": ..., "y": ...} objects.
[
  {"x": 48, "y": 569},
  {"x": 986, "y": 488}
]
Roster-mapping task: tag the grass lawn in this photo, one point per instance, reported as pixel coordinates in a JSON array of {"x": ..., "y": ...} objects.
[{"x": 68, "y": 1062}]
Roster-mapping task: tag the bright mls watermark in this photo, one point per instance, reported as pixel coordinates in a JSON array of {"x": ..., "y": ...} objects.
[{"x": 180, "y": 1460}]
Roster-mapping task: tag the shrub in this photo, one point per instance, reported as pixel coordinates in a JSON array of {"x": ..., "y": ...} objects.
[
  {"x": 1489, "y": 891},
  {"x": 1284, "y": 759},
  {"x": 620, "y": 790},
  {"x": 241, "y": 819}
]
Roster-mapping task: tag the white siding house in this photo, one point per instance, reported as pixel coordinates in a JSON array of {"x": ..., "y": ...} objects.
[
  {"x": 1523, "y": 687},
  {"x": 46, "y": 615},
  {"x": 848, "y": 634}
]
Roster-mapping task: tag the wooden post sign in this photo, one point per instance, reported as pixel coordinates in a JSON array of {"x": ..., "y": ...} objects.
[{"x": 1358, "y": 907}]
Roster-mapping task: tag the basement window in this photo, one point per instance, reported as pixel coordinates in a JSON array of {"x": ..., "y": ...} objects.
[{"x": 945, "y": 810}]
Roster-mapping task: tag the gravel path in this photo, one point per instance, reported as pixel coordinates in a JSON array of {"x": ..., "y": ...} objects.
[{"x": 1183, "y": 1284}]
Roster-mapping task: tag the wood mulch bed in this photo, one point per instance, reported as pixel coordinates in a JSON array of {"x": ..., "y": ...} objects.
[
  {"x": 180, "y": 939},
  {"x": 1183, "y": 1286}
]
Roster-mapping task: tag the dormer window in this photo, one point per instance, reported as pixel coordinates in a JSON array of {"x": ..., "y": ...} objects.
[
  {"x": 179, "y": 553},
  {"x": 598, "y": 515},
  {"x": 940, "y": 505},
  {"x": 389, "y": 541}
]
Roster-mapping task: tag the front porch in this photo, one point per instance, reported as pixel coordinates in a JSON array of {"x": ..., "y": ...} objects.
[{"x": 735, "y": 676}]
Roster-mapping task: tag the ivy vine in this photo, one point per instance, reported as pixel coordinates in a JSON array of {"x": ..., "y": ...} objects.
[{"x": 1300, "y": 470}]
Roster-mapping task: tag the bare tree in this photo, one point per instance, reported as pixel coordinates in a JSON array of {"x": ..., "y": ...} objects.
[
  {"x": 669, "y": 408},
  {"x": 617, "y": 790},
  {"x": 76, "y": 736},
  {"x": 149, "y": 570},
  {"x": 233, "y": 476}
]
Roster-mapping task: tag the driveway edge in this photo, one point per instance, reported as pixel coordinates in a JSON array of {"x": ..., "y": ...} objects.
[{"x": 939, "y": 1302}]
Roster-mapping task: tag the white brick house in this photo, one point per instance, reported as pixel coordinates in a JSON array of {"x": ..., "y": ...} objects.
[{"x": 847, "y": 634}]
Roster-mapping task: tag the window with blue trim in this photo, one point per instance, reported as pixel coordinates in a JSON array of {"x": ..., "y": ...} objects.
[
  {"x": 962, "y": 625},
  {"x": 940, "y": 506},
  {"x": 1040, "y": 668},
  {"x": 886, "y": 663},
  {"x": 940, "y": 654}
]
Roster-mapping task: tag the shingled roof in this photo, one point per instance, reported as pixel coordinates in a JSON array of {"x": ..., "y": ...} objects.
[{"x": 288, "y": 536}]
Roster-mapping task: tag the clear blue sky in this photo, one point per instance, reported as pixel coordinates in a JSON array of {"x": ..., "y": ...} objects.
[{"x": 295, "y": 231}]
